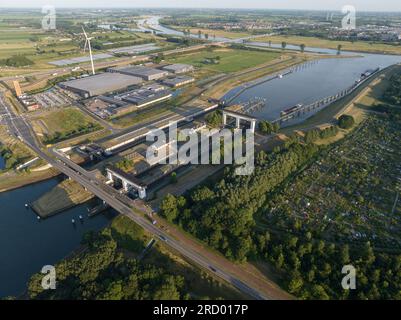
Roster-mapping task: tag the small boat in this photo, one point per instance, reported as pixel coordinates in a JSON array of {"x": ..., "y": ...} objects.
[
  {"x": 38, "y": 217},
  {"x": 26, "y": 205},
  {"x": 73, "y": 221},
  {"x": 280, "y": 76}
]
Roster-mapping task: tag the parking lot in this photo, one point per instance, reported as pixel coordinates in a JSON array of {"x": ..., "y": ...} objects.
[{"x": 55, "y": 98}]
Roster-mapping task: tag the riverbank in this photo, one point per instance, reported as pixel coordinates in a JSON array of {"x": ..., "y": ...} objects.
[
  {"x": 312, "y": 42},
  {"x": 241, "y": 78},
  {"x": 369, "y": 92},
  {"x": 12, "y": 180},
  {"x": 65, "y": 195},
  {"x": 28, "y": 243}
]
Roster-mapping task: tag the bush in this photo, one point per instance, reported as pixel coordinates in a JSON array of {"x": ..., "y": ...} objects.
[
  {"x": 266, "y": 127},
  {"x": 16, "y": 61},
  {"x": 346, "y": 121},
  {"x": 214, "y": 119}
]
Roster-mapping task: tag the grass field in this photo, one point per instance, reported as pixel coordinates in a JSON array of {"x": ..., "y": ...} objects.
[
  {"x": 231, "y": 60},
  {"x": 63, "y": 121},
  {"x": 134, "y": 118},
  {"x": 239, "y": 78},
  {"x": 13, "y": 179},
  {"x": 363, "y": 46},
  {"x": 33, "y": 43},
  {"x": 62, "y": 197},
  {"x": 39, "y": 52},
  {"x": 42, "y": 48},
  {"x": 18, "y": 150},
  {"x": 217, "y": 33}
]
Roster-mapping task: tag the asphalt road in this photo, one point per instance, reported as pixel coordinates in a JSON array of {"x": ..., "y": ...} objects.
[
  {"x": 19, "y": 127},
  {"x": 121, "y": 203}
]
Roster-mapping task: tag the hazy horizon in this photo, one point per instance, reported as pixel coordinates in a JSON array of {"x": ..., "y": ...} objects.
[{"x": 332, "y": 5}]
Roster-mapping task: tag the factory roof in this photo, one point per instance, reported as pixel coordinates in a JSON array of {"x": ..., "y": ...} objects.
[
  {"x": 178, "y": 67},
  {"x": 139, "y": 70},
  {"x": 102, "y": 83},
  {"x": 135, "y": 49},
  {"x": 178, "y": 80}
]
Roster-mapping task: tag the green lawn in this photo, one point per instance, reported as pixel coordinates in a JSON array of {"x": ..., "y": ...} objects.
[
  {"x": 64, "y": 123},
  {"x": 65, "y": 119},
  {"x": 231, "y": 60}
]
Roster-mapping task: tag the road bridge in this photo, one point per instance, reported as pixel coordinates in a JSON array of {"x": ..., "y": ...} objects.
[{"x": 137, "y": 211}]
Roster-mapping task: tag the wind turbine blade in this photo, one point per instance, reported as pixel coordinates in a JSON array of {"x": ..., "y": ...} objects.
[
  {"x": 90, "y": 55},
  {"x": 86, "y": 37}
]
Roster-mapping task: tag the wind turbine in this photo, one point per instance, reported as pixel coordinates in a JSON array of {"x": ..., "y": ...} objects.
[{"x": 88, "y": 43}]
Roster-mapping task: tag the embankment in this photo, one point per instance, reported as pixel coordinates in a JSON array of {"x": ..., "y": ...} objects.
[{"x": 65, "y": 195}]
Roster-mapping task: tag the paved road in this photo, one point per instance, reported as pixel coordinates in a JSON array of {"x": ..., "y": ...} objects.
[
  {"x": 121, "y": 203},
  {"x": 17, "y": 125}
]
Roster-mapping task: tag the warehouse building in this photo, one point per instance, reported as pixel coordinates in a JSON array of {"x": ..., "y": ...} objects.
[
  {"x": 129, "y": 101},
  {"x": 144, "y": 96},
  {"x": 145, "y": 73},
  {"x": 178, "y": 81},
  {"x": 100, "y": 84},
  {"x": 135, "y": 49},
  {"x": 178, "y": 68}
]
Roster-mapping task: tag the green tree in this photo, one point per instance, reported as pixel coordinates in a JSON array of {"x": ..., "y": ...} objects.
[
  {"x": 344, "y": 255},
  {"x": 169, "y": 207},
  {"x": 346, "y": 121},
  {"x": 367, "y": 253},
  {"x": 265, "y": 127},
  {"x": 319, "y": 293},
  {"x": 295, "y": 284}
]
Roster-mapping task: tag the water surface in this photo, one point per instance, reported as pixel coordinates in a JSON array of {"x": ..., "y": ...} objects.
[{"x": 26, "y": 244}]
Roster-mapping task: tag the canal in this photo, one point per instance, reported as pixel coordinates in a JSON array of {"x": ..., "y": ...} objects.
[
  {"x": 28, "y": 244},
  {"x": 310, "y": 82}
]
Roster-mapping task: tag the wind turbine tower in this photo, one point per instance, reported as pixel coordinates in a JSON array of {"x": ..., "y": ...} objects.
[{"x": 88, "y": 43}]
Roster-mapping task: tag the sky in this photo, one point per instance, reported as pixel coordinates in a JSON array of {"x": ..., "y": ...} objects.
[{"x": 361, "y": 5}]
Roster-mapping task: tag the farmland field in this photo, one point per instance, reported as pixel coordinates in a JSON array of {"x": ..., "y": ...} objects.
[
  {"x": 217, "y": 33},
  {"x": 230, "y": 60}
]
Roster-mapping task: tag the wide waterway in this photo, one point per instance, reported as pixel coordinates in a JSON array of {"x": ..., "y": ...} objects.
[
  {"x": 27, "y": 244},
  {"x": 311, "y": 82},
  {"x": 308, "y": 83}
]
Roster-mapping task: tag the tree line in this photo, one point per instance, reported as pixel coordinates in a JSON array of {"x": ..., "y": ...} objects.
[
  {"x": 103, "y": 272},
  {"x": 224, "y": 215}
]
